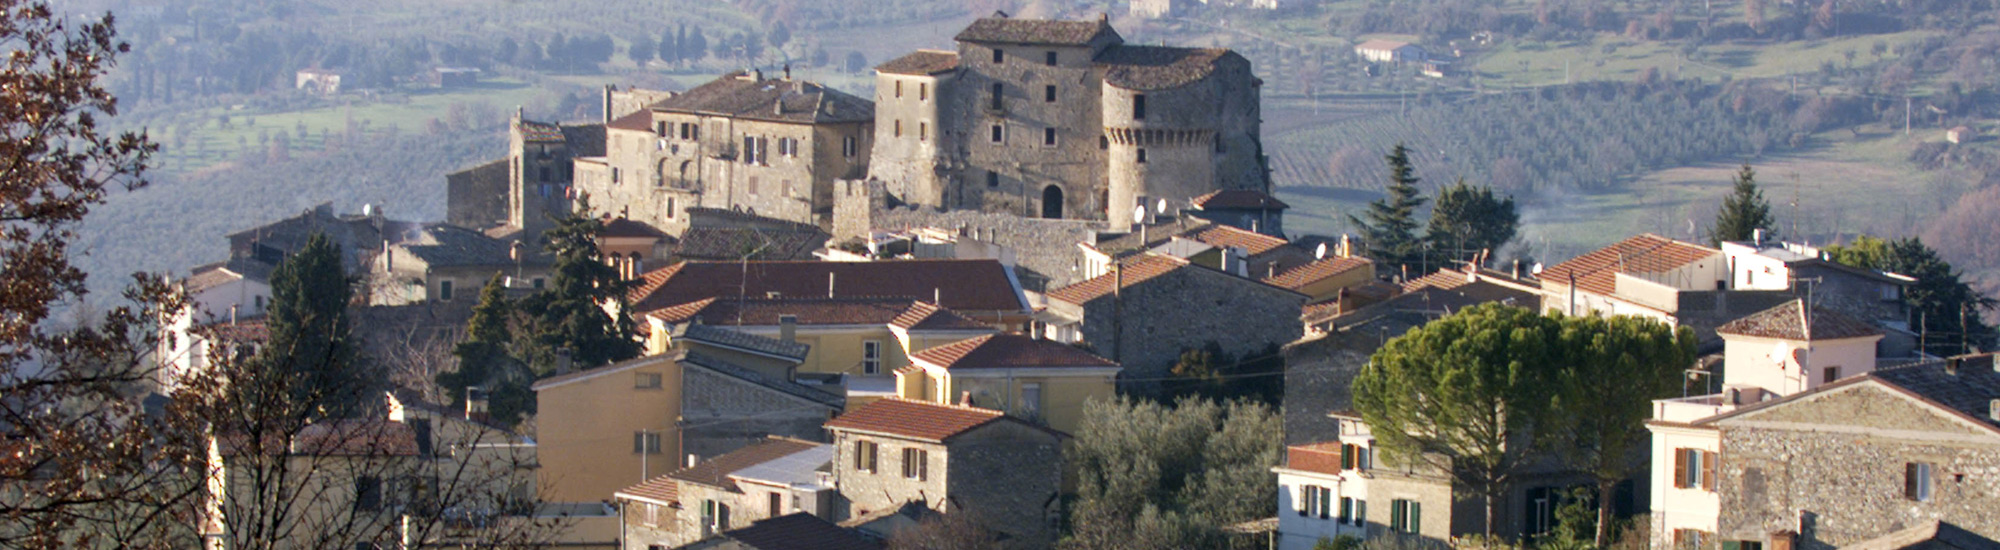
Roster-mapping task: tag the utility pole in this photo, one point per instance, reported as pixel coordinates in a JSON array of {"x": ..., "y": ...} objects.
[{"x": 1906, "y": 115}]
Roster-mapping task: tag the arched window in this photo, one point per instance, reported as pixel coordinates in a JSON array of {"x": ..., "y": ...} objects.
[{"x": 1052, "y": 202}]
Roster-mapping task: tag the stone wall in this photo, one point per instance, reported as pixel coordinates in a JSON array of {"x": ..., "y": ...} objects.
[
  {"x": 1009, "y": 476},
  {"x": 1780, "y": 473},
  {"x": 1045, "y": 251},
  {"x": 640, "y": 535},
  {"x": 477, "y": 197},
  {"x": 1151, "y": 323},
  {"x": 1025, "y": 166},
  {"x": 721, "y": 413},
  {"x": 1319, "y": 379},
  {"x": 885, "y": 488}
]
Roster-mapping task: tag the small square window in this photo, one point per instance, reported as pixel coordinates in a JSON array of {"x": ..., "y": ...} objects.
[
  {"x": 1142, "y": 156},
  {"x": 1138, "y": 106},
  {"x": 899, "y": 88},
  {"x": 1917, "y": 481},
  {"x": 999, "y": 133},
  {"x": 647, "y": 381},
  {"x": 992, "y": 179},
  {"x": 1832, "y": 374},
  {"x": 999, "y": 56},
  {"x": 1049, "y": 93},
  {"x": 923, "y": 131},
  {"x": 1052, "y": 59},
  {"x": 1049, "y": 137},
  {"x": 923, "y": 91}
]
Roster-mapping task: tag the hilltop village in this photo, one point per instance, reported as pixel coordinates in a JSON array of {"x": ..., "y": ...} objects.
[{"x": 865, "y": 322}]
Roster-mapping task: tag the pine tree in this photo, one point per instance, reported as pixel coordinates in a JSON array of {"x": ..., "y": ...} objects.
[
  {"x": 1942, "y": 306},
  {"x": 1744, "y": 211},
  {"x": 1390, "y": 225},
  {"x": 310, "y": 334},
  {"x": 569, "y": 316},
  {"x": 486, "y": 359},
  {"x": 670, "y": 46},
  {"x": 1468, "y": 220}
]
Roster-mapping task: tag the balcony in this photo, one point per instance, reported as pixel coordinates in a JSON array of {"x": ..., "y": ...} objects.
[{"x": 1690, "y": 409}]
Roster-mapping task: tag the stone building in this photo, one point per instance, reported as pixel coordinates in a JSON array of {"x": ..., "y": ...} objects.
[
  {"x": 1004, "y": 471},
  {"x": 517, "y": 195},
  {"x": 1152, "y": 308},
  {"x": 445, "y": 263},
  {"x": 1909, "y": 445},
  {"x": 768, "y": 479},
  {"x": 1062, "y": 119},
  {"x": 769, "y": 146}
]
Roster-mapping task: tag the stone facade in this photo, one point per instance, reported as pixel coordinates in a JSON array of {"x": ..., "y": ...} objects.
[
  {"x": 722, "y": 413},
  {"x": 1147, "y": 325},
  {"x": 1045, "y": 251},
  {"x": 1775, "y": 474},
  {"x": 1008, "y": 475},
  {"x": 1049, "y": 119}
]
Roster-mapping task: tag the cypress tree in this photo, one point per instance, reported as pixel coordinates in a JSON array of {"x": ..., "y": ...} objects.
[
  {"x": 485, "y": 359},
  {"x": 1389, "y": 227},
  {"x": 569, "y": 316},
  {"x": 1744, "y": 211},
  {"x": 311, "y": 337}
]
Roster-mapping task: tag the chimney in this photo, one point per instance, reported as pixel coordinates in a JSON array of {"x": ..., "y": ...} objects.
[
  {"x": 829, "y": 284},
  {"x": 607, "y": 103},
  {"x": 1757, "y": 237},
  {"x": 1516, "y": 271},
  {"x": 788, "y": 328},
  {"x": 693, "y": 459},
  {"x": 232, "y": 314},
  {"x": 788, "y": 72},
  {"x": 1993, "y": 410},
  {"x": 965, "y": 398},
  {"x": 1951, "y": 366}
]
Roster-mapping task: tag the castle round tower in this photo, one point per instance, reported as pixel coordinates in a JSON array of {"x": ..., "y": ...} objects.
[{"x": 1176, "y": 126}]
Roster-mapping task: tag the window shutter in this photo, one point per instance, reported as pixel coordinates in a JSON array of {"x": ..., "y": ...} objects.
[
  {"x": 1708, "y": 460},
  {"x": 1910, "y": 480},
  {"x": 1416, "y": 517},
  {"x": 1346, "y": 510},
  {"x": 1360, "y": 512},
  {"x": 923, "y": 465},
  {"x": 1732, "y": 545},
  {"x": 1680, "y": 468},
  {"x": 1325, "y": 503},
  {"x": 1346, "y": 457},
  {"x": 1306, "y": 494},
  {"x": 1397, "y": 509}
]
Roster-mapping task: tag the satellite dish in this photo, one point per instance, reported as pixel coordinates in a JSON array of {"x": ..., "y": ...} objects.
[
  {"x": 1537, "y": 269},
  {"x": 1780, "y": 354},
  {"x": 1163, "y": 206},
  {"x": 1320, "y": 252},
  {"x": 1799, "y": 356},
  {"x": 1139, "y": 213}
]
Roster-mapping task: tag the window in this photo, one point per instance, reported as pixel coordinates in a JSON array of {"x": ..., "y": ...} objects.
[
  {"x": 999, "y": 56},
  {"x": 538, "y": 283},
  {"x": 1312, "y": 501},
  {"x": 864, "y": 456},
  {"x": 544, "y": 173},
  {"x": 260, "y": 302},
  {"x": 923, "y": 131},
  {"x": 899, "y": 128},
  {"x": 848, "y": 147},
  {"x": 368, "y": 493},
  {"x": 1142, "y": 155},
  {"x": 1103, "y": 142},
  {"x": 444, "y": 290},
  {"x": 1917, "y": 481},
  {"x": 645, "y": 443},
  {"x": 899, "y": 88},
  {"x": 764, "y": 151},
  {"x": 871, "y": 357},
  {"x": 1049, "y": 137},
  {"x": 916, "y": 464},
  {"x": 749, "y": 150},
  {"x": 1051, "y": 59},
  {"x": 1360, "y": 512},
  {"x": 1742, "y": 545},
  {"x": 1690, "y": 538},
  {"x": 776, "y": 505},
  {"x": 1031, "y": 400},
  {"x": 1694, "y": 468},
  {"x": 1138, "y": 106},
  {"x": 753, "y": 185},
  {"x": 992, "y": 179},
  {"x": 923, "y": 91},
  {"x": 647, "y": 381},
  {"x": 1355, "y": 457},
  {"x": 998, "y": 90},
  {"x": 714, "y": 517},
  {"x": 660, "y": 128},
  {"x": 1346, "y": 510},
  {"x": 1831, "y": 374},
  {"x": 999, "y": 133},
  {"x": 1406, "y": 516},
  {"x": 1049, "y": 93},
  {"x": 614, "y": 175}
]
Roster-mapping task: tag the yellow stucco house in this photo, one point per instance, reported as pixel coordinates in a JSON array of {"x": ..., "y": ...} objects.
[{"x": 1040, "y": 380}]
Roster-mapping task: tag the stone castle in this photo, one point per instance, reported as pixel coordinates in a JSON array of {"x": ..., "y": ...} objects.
[{"x": 1035, "y": 118}]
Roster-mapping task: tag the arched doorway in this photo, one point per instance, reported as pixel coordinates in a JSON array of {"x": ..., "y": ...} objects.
[{"x": 1052, "y": 202}]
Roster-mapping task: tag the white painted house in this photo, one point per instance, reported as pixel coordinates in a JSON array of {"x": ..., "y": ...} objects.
[
  {"x": 224, "y": 302},
  {"x": 1390, "y": 51},
  {"x": 1323, "y": 488}
]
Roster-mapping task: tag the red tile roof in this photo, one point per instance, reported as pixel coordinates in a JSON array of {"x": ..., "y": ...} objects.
[
  {"x": 664, "y": 489},
  {"x": 1298, "y": 277},
  {"x": 1786, "y": 322},
  {"x": 923, "y": 316},
  {"x": 1597, "y": 272},
  {"x": 715, "y": 472},
  {"x": 1222, "y": 235},
  {"x": 246, "y": 330},
  {"x": 1319, "y": 458},
  {"x": 1010, "y": 351},
  {"x": 1239, "y": 198},
  {"x": 641, "y": 120},
  {"x": 914, "y": 420},
  {"x": 1128, "y": 273},
  {"x": 963, "y": 285},
  {"x": 921, "y": 63}
]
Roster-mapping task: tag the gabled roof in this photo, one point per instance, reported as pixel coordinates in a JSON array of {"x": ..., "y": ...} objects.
[
  {"x": 921, "y": 63},
  {"x": 209, "y": 276},
  {"x": 1298, "y": 277},
  {"x": 745, "y": 95},
  {"x": 1787, "y": 321},
  {"x": 1128, "y": 273},
  {"x": 1964, "y": 387},
  {"x": 1161, "y": 67},
  {"x": 621, "y": 366},
  {"x": 1010, "y": 351},
  {"x": 914, "y": 420},
  {"x": 964, "y": 285},
  {"x": 1234, "y": 237},
  {"x": 627, "y": 227},
  {"x": 788, "y": 387},
  {"x": 1007, "y": 30},
  {"x": 1239, "y": 198},
  {"x": 732, "y": 243},
  {"x": 242, "y": 330},
  {"x": 798, "y": 531},
  {"x": 584, "y": 140},
  {"x": 1212, "y": 234},
  {"x": 715, "y": 472},
  {"x": 451, "y": 246},
  {"x": 723, "y": 337},
  {"x": 660, "y": 490},
  {"x": 923, "y": 316},
  {"x": 1597, "y": 271},
  {"x": 532, "y": 131},
  {"x": 807, "y": 311}
]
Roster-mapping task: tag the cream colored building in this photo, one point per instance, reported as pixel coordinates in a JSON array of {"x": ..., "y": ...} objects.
[{"x": 1037, "y": 380}]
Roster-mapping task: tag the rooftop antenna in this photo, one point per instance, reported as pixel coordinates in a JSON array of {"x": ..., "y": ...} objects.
[{"x": 1795, "y": 205}]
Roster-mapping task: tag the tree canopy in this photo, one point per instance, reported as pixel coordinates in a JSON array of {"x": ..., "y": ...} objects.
[
  {"x": 1943, "y": 307},
  {"x": 1468, "y": 220},
  {"x": 1611, "y": 371},
  {"x": 1743, "y": 212},
  {"x": 311, "y": 337},
  {"x": 1389, "y": 226},
  {"x": 1153, "y": 476},
  {"x": 486, "y": 359},
  {"x": 569, "y": 317}
]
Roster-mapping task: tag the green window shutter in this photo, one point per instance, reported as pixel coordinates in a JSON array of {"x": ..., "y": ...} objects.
[
  {"x": 1360, "y": 512},
  {"x": 1346, "y": 457},
  {"x": 1416, "y": 517},
  {"x": 1346, "y": 509},
  {"x": 1732, "y": 545}
]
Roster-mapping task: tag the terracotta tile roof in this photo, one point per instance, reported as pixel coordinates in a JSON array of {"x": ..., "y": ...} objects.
[
  {"x": 1298, "y": 277},
  {"x": 1006, "y": 30},
  {"x": 1319, "y": 458},
  {"x": 627, "y": 227},
  {"x": 242, "y": 330},
  {"x": 637, "y": 121},
  {"x": 1239, "y": 198},
  {"x": 921, "y": 62},
  {"x": 719, "y": 336},
  {"x": 1129, "y": 273},
  {"x": 800, "y": 531},
  {"x": 1929, "y": 534},
  {"x": 963, "y": 285},
  {"x": 715, "y": 472},
  {"x": 1320, "y": 310},
  {"x": 663, "y": 489},
  {"x": 1161, "y": 67},
  {"x": 915, "y": 420},
  {"x": 741, "y": 95},
  {"x": 767, "y": 311},
  {"x": 1787, "y": 322},
  {"x": 1010, "y": 351},
  {"x": 1224, "y": 235},
  {"x": 1597, "y": 271},
  {"x": 923, "y": 316},
  {"x": 781, "y": 385}
]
